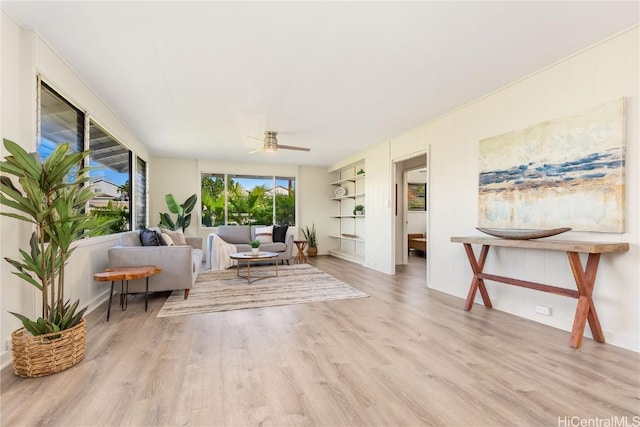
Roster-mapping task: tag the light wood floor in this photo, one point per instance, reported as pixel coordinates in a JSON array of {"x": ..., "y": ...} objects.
[{"x": 405, "y": 356}]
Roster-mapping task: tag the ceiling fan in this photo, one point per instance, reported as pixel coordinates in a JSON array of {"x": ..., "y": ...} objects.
[{"x": 270, "y": 144}]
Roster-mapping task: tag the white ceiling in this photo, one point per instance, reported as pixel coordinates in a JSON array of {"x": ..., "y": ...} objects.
[{"x": 194, "y": 79}]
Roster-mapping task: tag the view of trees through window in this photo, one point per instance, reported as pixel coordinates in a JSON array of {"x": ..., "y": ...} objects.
[
  {"x": 110, "y": 179},
  {"x": 247, "y": 200},
  {"x": 61, "y": 123}
]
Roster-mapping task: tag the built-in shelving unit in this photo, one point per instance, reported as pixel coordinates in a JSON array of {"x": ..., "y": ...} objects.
[{"x": 348, "y": 227}]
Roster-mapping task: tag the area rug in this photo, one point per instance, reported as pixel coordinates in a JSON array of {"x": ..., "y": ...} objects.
[{"x": 223, "y": 290}]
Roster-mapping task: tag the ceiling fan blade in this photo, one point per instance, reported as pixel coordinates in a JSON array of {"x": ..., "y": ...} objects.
[
  {"x": 256, "y": 138},
  {"x": 291, "y": 147},
  {"x": 257, "y": 150}
]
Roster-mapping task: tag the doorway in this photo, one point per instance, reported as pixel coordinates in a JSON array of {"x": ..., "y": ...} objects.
[{"x": 411, "y": 184}]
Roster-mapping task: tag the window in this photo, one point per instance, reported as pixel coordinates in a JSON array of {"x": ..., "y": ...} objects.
[
  {"x": 141, "y": 193},
  {"x": 247, "y": 199},
  {"x": 112, "y": 175},
  {"x": 60, "y": 122},
  {"x": 212, "y": 198}
]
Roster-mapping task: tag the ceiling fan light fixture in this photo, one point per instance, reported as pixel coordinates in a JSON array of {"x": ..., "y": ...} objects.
[
  {"x": 270, "y": 142},
  {"x": 270, "y": 147}
]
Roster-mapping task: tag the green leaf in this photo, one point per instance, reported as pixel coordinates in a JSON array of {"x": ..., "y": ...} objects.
[
  {"x": 167, "y": 222},
  {"x": 189, "y": 204},
  {"x": 22, "y": 158},
  {"x": 186, "y": 222},
  {"x": 173, "y": 206}
]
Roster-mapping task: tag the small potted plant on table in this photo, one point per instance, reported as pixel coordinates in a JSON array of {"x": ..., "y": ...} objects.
[{"x": 255, "y": 246}]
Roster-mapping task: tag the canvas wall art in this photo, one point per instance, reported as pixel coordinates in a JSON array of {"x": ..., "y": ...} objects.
[
  {"x": 560, "y": 173},
  {"x": 417, "y": 196}
]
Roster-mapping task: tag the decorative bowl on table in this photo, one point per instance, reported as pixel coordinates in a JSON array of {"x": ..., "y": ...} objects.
[{"x": 522, "y": 234}]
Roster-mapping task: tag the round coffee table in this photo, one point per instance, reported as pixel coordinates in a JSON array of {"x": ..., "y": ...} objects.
[{"x": 248, "y": 257}]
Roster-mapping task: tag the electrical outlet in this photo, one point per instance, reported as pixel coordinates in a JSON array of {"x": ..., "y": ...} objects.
[
  {"x": 8, "y": 345},
  {"x": 543, "y": 309}
]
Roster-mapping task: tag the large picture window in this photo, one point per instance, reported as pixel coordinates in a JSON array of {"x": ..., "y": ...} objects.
[{"x": 247, "y": 199}]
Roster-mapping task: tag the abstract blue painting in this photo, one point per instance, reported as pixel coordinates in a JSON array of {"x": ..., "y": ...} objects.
[{"x": 560, "y": 173}]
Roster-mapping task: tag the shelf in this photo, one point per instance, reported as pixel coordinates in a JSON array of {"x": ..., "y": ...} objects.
[
  {"x": 348, "y": 229},
  {"x": 348, "y": 196},
  {"x": 353, "y": 239},
  {"x": 350, "y": 179},
  {"x": 347, "y": 256}
]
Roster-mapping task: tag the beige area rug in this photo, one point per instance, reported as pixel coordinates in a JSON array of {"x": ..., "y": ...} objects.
[{"x": 223, "y": 290}]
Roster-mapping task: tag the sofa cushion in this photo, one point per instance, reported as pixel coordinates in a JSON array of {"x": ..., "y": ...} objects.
[
  {"x": 168, "y": 241},
  {"x": 130, "y": 238},
  {"x": 177, "y": 236},
  {"x": 264, "y": 234},
  {"x": 280, "y": 233},
  {"x": 149, "y": 238},
  {"x": 273, "y": 247},
  {"x": 235, "y": 234},
  {"x": 243, "y": 247}
]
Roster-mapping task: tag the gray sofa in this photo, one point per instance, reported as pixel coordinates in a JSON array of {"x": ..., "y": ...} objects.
[
  {"x": 240, "y": 235},
  {"x": 180, "y": 264}
]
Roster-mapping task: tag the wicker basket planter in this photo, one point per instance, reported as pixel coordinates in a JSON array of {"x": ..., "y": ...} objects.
[{"x": 37, "y": 356}]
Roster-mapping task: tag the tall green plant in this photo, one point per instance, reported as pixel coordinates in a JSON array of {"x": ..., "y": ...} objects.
[
  {"x": 52, "y": 197},
  {"x": 183, "y": 211},
  {"x": 310, "y": 235}
]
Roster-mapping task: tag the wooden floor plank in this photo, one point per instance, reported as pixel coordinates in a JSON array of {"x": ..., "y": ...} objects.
[{"x": 406, "y": 356}]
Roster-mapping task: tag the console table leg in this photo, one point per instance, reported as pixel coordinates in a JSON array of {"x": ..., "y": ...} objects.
[
  {"x": 477, "y": 283},
  {"x": 585, "y": 310}
]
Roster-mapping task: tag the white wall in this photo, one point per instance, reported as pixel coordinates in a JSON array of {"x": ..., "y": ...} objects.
[
  {"x": 606, "y": 71},
  {"x": 24, "y": 55}
]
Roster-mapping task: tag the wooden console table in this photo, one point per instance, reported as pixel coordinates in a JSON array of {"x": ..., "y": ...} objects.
[{"x": 585, "y": 278}]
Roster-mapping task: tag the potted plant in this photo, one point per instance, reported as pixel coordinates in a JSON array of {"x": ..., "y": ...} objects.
[
  {"x": 255, "y": 245},
  {"x": 358, "y": 210},
  {"x": 310, "y": 237},
  {"x": 51, "y": 196}
]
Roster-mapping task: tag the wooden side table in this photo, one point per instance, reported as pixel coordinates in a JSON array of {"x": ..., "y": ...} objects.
[
  {"x": 300, "y": 258},
  {"x": 124, "y": 274}
]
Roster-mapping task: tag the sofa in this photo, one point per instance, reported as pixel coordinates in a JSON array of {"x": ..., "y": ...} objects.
[
  {"x": 180, "y": 264},
  {"x": 240, "y": 235}
]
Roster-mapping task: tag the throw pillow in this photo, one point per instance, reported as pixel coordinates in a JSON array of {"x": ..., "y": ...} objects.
[
  {"x": 265, "y": 234},
  {"x": 280, "y": 233},
  {"x": 167, "y": 240},
  {"x": 149, "y": 238},
  {"x": 177, "y": 237}
]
